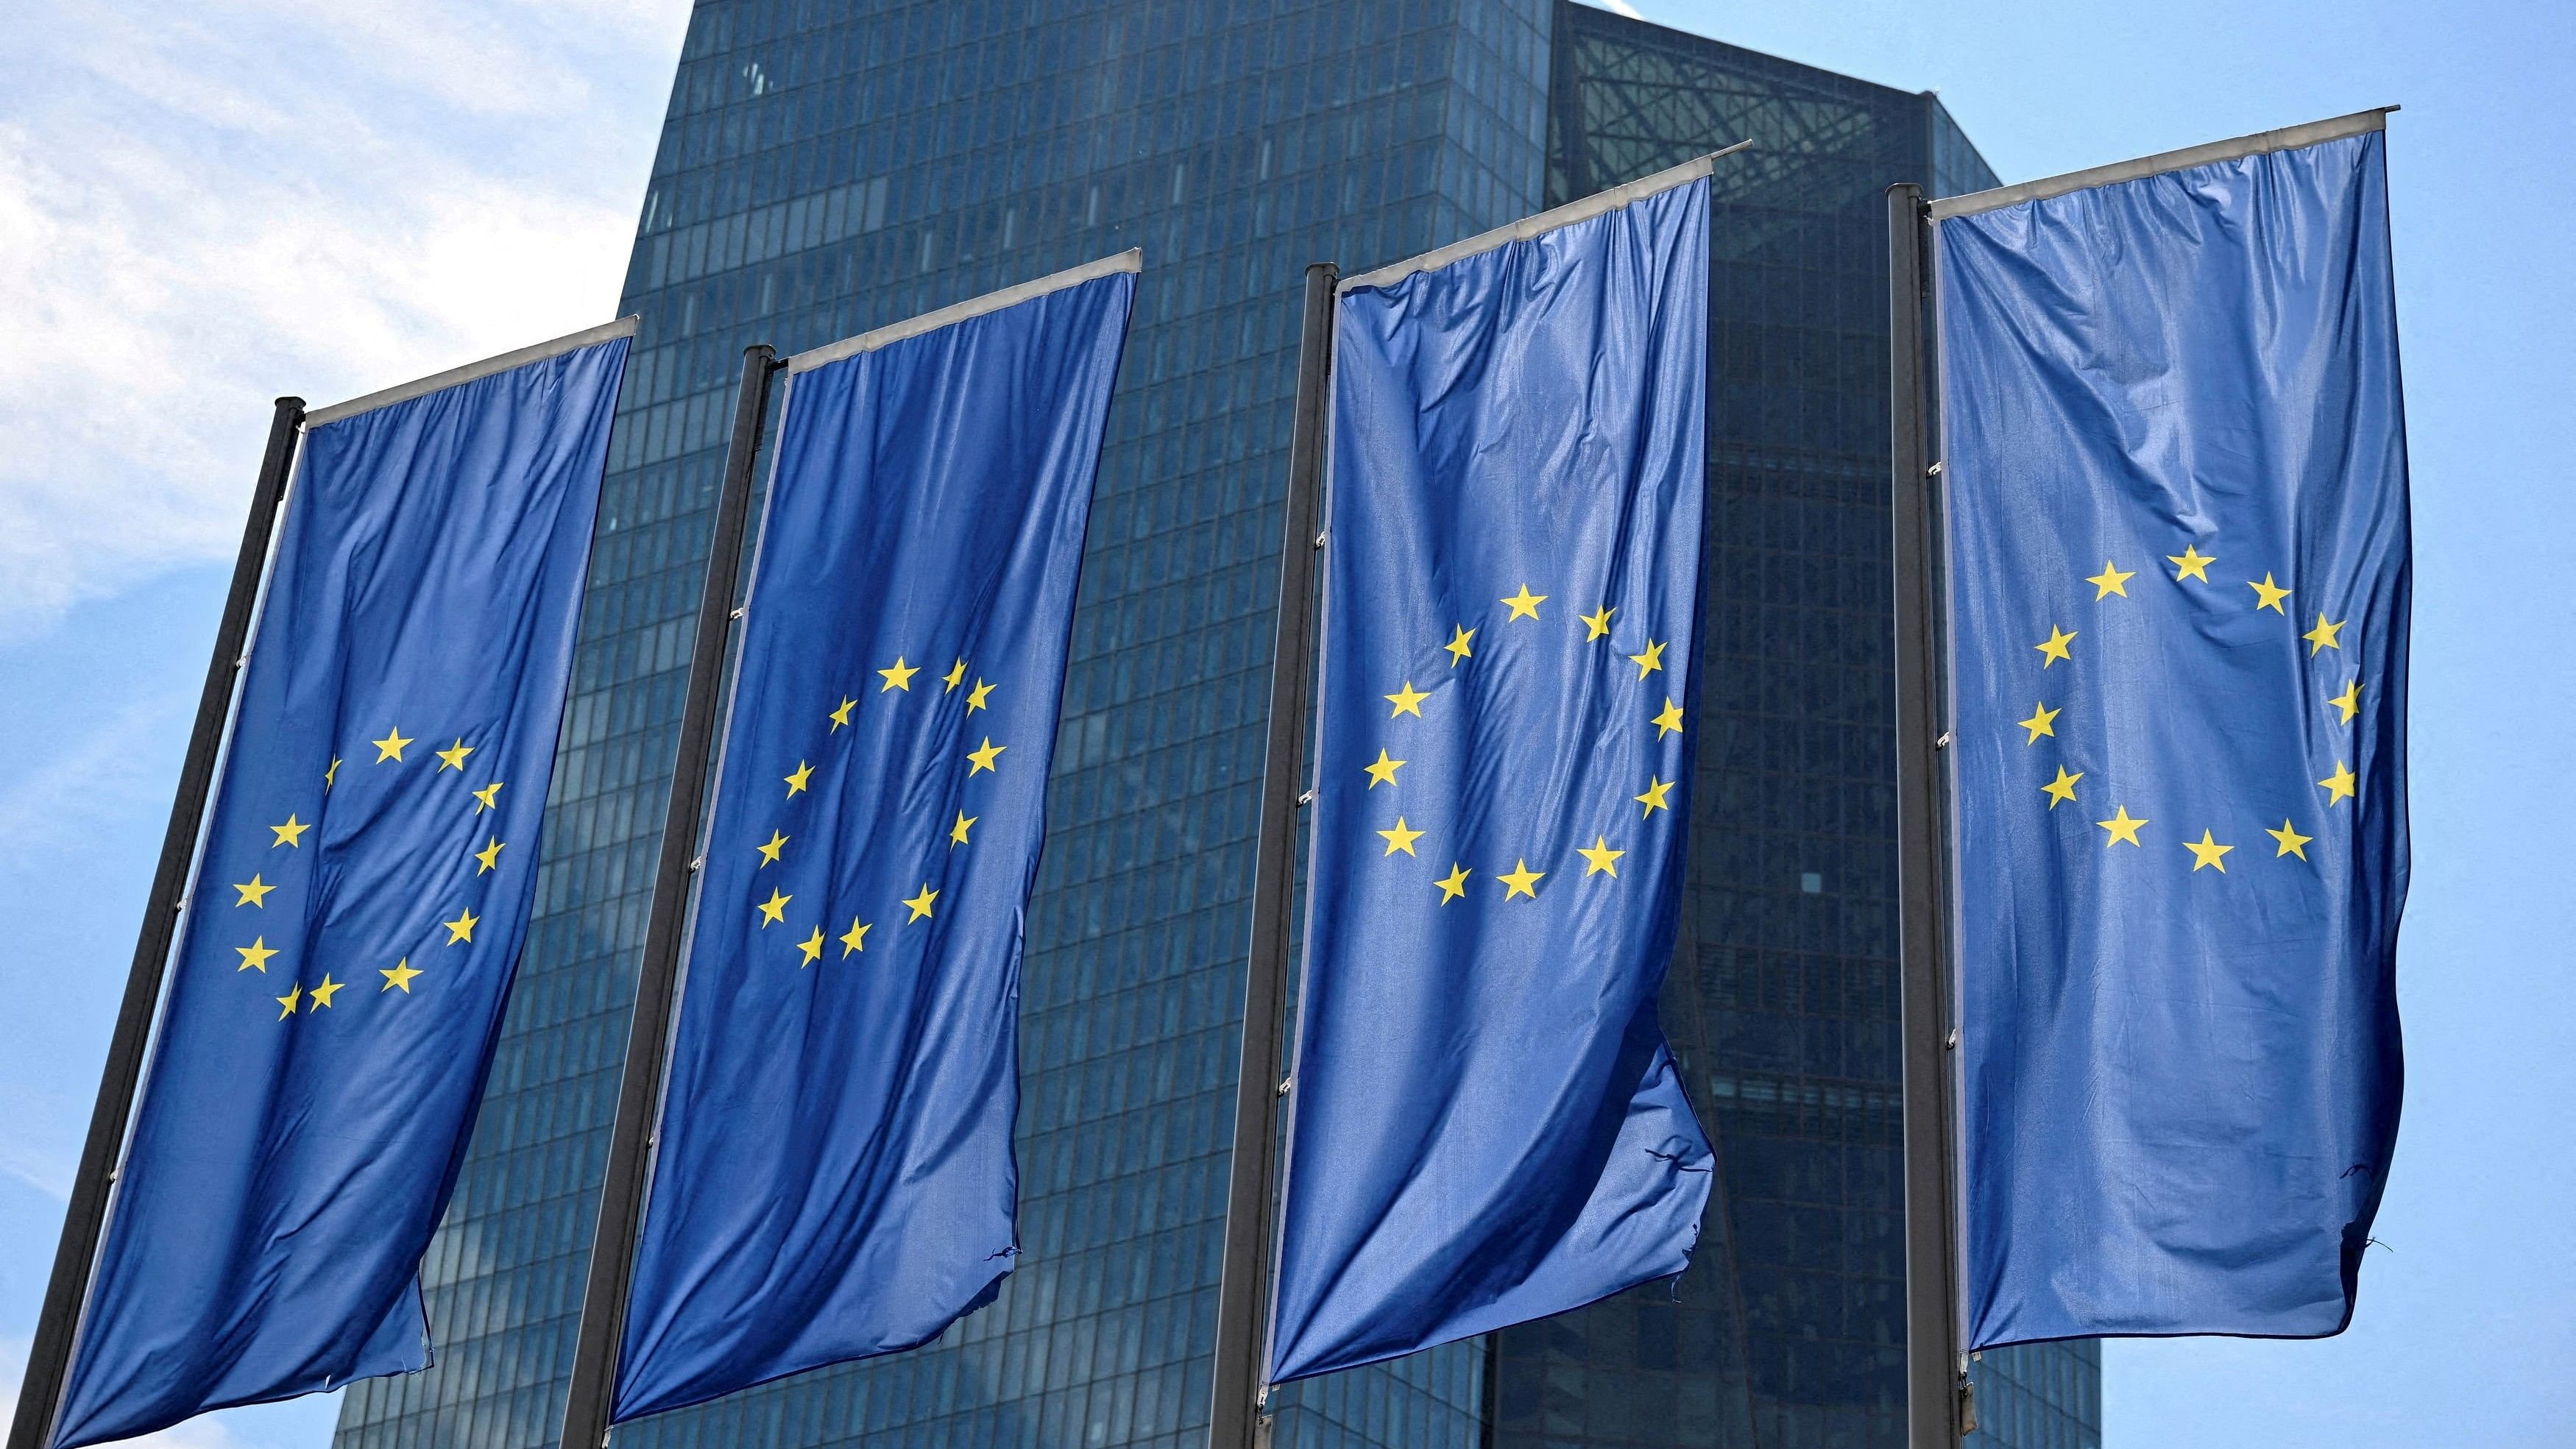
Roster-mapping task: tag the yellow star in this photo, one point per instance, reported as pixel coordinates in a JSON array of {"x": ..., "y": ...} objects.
[
  {"x": 2191, "y": 563},
  {"x": 2269, "y": 596},
  {"x": 796, "y": 780},
  {"x": 2349, "y": 701},
  {"x": 253, "y": 893},
  {"x": 462, "y": 928},
  {"x": 1650, "y": 661},
  {"x": 955, "y": 676},
  {"x": 2292, "y": 842},
  {"x": 294, "y": 995},
  {"x": 812, "y": 946},
  {"x": 1407, "y": 700},
  {"x": 2061, "y": 789},
  {"x": 841, "y": 716},
  {"x": 920, "y": 904},
  {"x": 774, "y": 909},
  {"x": 1597, "y": 625},
  {"x": 2207, "y": 851},
  {"x": 2054, "y": 648},
  {"x": 2042, "y": 721},
  {"x": 330, "y": 774},
  {"x": 1524, "y": 605},
  {"x": 1599, "y": 858},
  {"x": 2339, "y": 784},
  {"x": 957, "y": 832},
  {"x": 1400, "y": 838},
  {"x": 451, "y": 758},
  {"x": 897, "y": 677},
  {"x": 255, "y": 956},
  {"x": 854, "y": 939},
  {"x": 1457, "y": 645},
  {"x": 401, "y": 975},
  {"x": 1670, "y": 721},
  {"x": 975, "y": 697},
  {"x": 2323, "y": 636},
  {"x": 1521, "y": 880},
  {"x": 291, "y": 833},
  {"x": 2111, "y": 581},
  {"x": 1654, "y": 799},
  {"x": 487, "y": 798},
  {"x": 1383, "y": 772},
  {"x": 489, "y": 856},
  {"x": 323, "y": 993},
  {"x": 769, "y": 852},
  {"x": 985, "y": 757},
  {"x": 2121, "y": 827},
  {"x": 390, "y": 747},
  {"x": 1454, "y": 884}
]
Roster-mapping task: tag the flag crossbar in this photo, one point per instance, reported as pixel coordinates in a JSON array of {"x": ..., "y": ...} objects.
[
  {"x": 1130, "y": 260},
  {"x": 2286, "y": 138},
  {"x": 1597, "y": 204},
  {"x": 440, "y": 381}
]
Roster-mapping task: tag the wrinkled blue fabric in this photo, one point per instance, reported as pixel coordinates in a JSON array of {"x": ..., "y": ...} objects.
[
  {"x": 307, "y": 1101},
  {"x": 1487, "y": 1126},
  {"x": 835, "y": 1178},
  {"x": 2179, "y": 1039}
]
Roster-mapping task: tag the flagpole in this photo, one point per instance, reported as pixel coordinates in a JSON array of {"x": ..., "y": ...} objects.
[
  {"x": 639, "y": 1093},
  {"x": 49, "y": 1357},
  {"x": 1239, "y": 1418},
  {"x": 1938, "y": 1405}
]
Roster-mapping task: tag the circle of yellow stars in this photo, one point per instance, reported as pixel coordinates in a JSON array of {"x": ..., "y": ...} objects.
[
  {"x": 1600, "y": 857},
  {"x": 289, "y": 834},
  {"x": 2191, "y": 566},
  {"x": 922, "y": 905}
]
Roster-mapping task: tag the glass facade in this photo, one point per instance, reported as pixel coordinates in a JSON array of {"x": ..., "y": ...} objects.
[{"x": 830, "y": 167}]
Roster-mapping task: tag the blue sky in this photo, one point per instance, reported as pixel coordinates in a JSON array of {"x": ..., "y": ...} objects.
[{"x": 258, "y": 196}]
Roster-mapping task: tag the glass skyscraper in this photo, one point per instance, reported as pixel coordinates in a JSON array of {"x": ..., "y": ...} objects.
[{"x": 830, "y": 167}]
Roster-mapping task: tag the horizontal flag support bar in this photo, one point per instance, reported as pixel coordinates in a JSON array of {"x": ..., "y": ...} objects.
[
  {"x": 1130, "y": 260},
  {"x": 536, "y": 352},
  {"x": 1596, "y": 204},
  {"x": 2288, "y": 138}
]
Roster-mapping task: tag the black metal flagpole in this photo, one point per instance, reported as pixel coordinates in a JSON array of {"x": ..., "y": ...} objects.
[
  {"x": 49, "y": 1358},
  {"x": 1240, "y": 1415},
  {"x": 1938, "y": 1407},
  {"x": 639, "y": 1093}
]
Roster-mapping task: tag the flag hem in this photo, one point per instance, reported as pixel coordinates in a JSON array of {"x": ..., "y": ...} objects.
[
  {"x": 1597, "y": 204},
  {"x": 473, "y": 371},
  {"x": 1130, "y": 260},
  {"x": 2287, "y": 138}
]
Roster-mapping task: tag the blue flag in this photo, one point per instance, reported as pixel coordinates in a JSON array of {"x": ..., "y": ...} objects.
[
  {"x": 1487, "y": 1126},
  {"x": 2178, "y": 585},
  {"x": 358, "y": 904},
  {"x": 835, "y": 1176}
]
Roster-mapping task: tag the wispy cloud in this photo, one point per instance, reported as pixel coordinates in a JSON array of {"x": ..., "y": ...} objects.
[{"x": 204, "y": 206}]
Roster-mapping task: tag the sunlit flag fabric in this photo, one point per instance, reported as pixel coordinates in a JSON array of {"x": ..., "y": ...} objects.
[
  {"x": 358, "y": 906},
  {"x": 2178, "y": 583},
  {"x": 835, "y": 1177},
  {"x": 1487, "y": 1124}
]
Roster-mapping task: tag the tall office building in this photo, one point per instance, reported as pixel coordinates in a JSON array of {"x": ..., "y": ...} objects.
[{"x": 830, "y": 167}]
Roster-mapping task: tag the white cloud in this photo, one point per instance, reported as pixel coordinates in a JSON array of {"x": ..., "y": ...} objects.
[{"x": 202, "y": 207}]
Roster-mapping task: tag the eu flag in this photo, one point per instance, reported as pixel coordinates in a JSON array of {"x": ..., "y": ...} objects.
[
  {"x": 359, "y": 901},
  {"x": 835, "y": 1177},
  {"x": 1487, "y": 1126},
  {"x": 2178, "y": 583}
]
